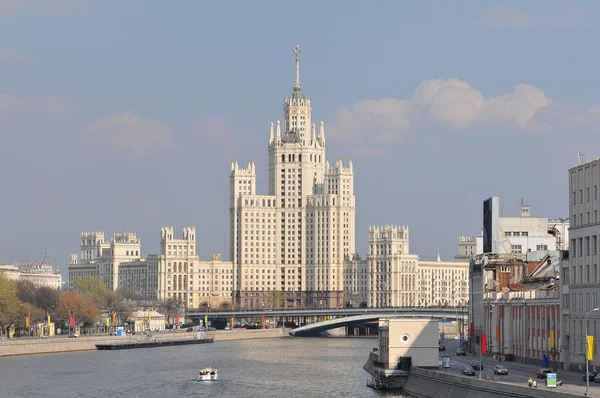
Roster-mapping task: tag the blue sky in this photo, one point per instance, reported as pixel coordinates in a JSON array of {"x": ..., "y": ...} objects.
[{"x": 125, "y": 115}]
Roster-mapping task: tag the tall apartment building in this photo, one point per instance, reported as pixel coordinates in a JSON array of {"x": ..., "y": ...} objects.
[
  {"x": 580, "y": 277},
  {"x": 393, "y": 271},
  {"x": 295, "y": 240},
  {"x": 177, "y": 265}
]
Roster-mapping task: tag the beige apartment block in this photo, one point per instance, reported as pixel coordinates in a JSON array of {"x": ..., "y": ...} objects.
[{"x": 443, "y": 284}]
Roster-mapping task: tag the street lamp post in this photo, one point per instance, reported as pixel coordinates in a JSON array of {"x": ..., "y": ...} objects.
[
  {"x": 587, "y": 360},
  {"x": 29, "y": 318},
  {"x": 489, "y": 312}
]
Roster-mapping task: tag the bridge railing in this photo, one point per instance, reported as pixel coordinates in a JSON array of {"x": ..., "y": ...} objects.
[{"x": 312, "y": 309}]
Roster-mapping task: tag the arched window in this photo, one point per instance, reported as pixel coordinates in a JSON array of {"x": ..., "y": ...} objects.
[
  {"x": 300, "y": 158},
  {"x": 282, "y": 158},
  {"x": 290, "y": 158}
]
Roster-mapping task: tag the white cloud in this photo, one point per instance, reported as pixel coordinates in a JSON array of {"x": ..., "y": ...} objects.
[
  {"x": 11, "y": 8},
  {"x": 452, "y": 104},
  {"x": 388, "y": 117},
  {"x": 12, "y": 56},
  {"x": 130, "y": 132},
  {"x": 501, "y": 17}
]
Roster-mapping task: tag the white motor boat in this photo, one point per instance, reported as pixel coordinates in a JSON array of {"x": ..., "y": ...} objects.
[{"x": 208, "y": 375}]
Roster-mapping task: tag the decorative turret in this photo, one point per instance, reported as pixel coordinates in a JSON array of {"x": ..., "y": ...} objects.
[
  {"x": 313, "y": 136},
  {"x": 278, "y": 132},
  {"x": 271, "y": 135},
  {"x": 322, "y": 134}
]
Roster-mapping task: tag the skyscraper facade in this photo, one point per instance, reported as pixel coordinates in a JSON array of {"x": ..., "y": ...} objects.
[{"x": 291, "y": 245}]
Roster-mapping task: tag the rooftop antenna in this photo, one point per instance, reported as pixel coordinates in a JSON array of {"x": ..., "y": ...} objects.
[
  {"x": 297, "y": 50},
  {"x": 580, "y": 156}
]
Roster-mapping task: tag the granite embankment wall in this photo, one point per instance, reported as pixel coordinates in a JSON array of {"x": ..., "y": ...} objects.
[
  {"x": 424, "y": 383},
  {"x": 25, "y": 346}
]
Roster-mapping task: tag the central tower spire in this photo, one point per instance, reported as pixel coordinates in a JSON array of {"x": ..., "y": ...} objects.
[{"x": 297, "y": 51}]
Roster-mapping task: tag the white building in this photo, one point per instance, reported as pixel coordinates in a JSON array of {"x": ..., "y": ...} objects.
[
  {"x": 396, "y": 278},
  {"x": 296, "y": 239},
  {"x": 393, "y": 272},
  {"x": 467, "y": 248},
  {"x": 177, "y": 266},
  {"x": 47, "y": 278},
  {"x": 580, "y": 277},
  {"x": 443, "y": 283},
  {"x": 102, "y": 258},
  {"x": 152, "y": 320},
  {"x": 524, "y": 233},
  {"x": 175, "y": 273}
]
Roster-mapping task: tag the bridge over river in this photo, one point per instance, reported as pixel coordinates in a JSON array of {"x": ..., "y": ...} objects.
[{"x": 315, "y": 321}]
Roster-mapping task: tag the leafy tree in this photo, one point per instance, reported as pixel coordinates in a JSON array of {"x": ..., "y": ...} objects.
[
  {"x": 277, "y": 300},
  {"x": 115, "y": 303},
  {"x": 128, "y": 294},
  {"x": 26, "y": 290},
  {"x": 47, "y": 298},
  {"x": 9, "y": 303},
  {"x": 83, "y": 307},
  {"x": 93, "y": 287},
  {"x": 171, "y": 308}
]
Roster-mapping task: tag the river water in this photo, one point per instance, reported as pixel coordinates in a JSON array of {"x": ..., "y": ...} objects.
[{"x": 285, "y": 367}]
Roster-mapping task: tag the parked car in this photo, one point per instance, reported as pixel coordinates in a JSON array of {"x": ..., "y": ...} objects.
[
  {"x": 543, "y": 373},
  {"x": 468, "y": 371},
  {"x": 500, "y": 370},
  {"x": 461, "y": 351},
  {"x": 597, "y": 379},
  {"x": 590, "y": 376},
  {"x": 476, "y": 365},
  {"x": 442, "y": 348}
]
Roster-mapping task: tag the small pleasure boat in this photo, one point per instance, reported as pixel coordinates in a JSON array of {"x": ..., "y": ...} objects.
[{"x": 208, "y": 375}]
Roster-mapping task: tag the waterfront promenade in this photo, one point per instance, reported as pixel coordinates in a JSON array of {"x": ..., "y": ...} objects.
[
  {"x": 519, "y": 373},
  {"x": 36, "y": 345}
]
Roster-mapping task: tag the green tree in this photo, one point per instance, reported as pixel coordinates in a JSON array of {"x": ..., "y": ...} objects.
[
  {"x": 93, "y": 287},
  {"x": 9, "y": 303}
]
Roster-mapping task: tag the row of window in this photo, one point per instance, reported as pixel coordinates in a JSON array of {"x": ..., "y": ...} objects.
[{"x": 589, "y": 193}]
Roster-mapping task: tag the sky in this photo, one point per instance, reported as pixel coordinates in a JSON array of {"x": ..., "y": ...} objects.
[{"x": 124, "y": 116}]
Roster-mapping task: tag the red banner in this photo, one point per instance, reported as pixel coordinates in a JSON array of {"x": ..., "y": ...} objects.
[
  {"x": 176, "y": 319},
  {"x": 472, "y": 329},
  {"x": 71, "y": 320},
  {"x": 482, "y": 344}
]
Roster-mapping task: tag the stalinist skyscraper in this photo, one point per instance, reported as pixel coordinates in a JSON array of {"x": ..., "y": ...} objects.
[{"x": 290, "y": 246}]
